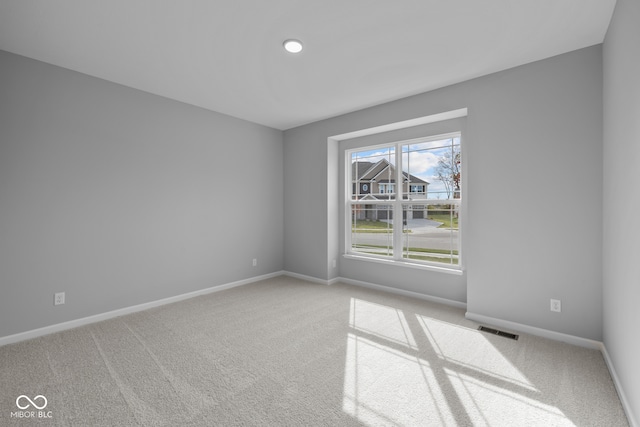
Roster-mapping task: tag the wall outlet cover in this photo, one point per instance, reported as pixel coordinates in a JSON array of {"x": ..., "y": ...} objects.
[{"x": 58, "y": 298}]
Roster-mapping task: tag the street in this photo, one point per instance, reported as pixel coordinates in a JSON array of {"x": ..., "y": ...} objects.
[{"x": 424, "y": 235}]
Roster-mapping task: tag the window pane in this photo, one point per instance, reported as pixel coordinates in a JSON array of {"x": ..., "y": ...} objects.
[
  {"x": 373, "y": 174},
  {"x": 372, "y": 229},
  {"x": 431, "y": 232},
  {"x": 432, "y": 169}
]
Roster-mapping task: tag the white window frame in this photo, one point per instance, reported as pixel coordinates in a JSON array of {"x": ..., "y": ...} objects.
[{"x": 397, "y": 205}]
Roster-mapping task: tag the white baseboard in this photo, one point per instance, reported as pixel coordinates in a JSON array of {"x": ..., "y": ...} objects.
[
  {"x": 403, "y": 292},
  {"x": 571, "y": 339},
  {"x": 383, "y": 288},
  {"x": 333, "y": 281},
  {"x": 22, "y": 336},
  {"x": 545, "y": 333},
  {"x": 308, "y": 278},
  {"x": 616, "y": 381}
]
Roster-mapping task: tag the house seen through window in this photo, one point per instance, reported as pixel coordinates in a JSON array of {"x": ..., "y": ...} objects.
[{"x": 405, "y": 201}]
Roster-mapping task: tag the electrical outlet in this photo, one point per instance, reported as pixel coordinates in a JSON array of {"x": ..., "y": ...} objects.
[
  {"x": 556, "y": 305},
  {"x": 334, "y": 263},
  {"x": 255, "y": 262},
  {"x": 58, "y": 298}
]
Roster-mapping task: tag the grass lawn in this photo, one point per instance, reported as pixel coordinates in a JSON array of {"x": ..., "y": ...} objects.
[
  {"x": 421, "y": 250},
  {"x": 375, "y": 250},
  {"x": 433, "y": 251},
  {"x": 445, "y": 219},
  {"x": 361, "y": 226},
  {"x": 434, "y": 259}
]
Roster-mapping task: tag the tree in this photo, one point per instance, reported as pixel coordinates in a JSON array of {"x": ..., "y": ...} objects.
[{"x": 448, "y": 171}]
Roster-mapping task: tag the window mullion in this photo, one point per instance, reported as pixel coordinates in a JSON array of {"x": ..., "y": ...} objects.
[
  {"x": 348, "y": 225},
  {"x": 397, "y": 207}
]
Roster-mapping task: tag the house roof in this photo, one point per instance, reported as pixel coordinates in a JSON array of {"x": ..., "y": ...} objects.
[
  {"x": 358, "y": 169},
  {"x": 369, "y": 171}
]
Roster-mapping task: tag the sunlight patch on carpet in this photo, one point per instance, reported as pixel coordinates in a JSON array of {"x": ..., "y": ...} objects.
[
  {"x": 381, "y": 321},
  {"x": 470, "y": 349},
  {"x": 497, "y": 405},
  {"x": 382, "y": 384}
]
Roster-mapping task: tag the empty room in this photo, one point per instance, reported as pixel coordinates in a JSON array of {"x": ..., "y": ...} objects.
[{"x": 336, "y": 213}]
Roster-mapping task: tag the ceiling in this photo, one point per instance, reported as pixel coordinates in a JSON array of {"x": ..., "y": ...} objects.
[{"x": 227, "y": 56}]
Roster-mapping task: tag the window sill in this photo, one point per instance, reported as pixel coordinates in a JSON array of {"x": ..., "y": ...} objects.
[{"x": 406, "y": 264}]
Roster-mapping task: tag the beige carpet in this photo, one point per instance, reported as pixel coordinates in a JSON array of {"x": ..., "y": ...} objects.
[{"x": 287, "y": 352}]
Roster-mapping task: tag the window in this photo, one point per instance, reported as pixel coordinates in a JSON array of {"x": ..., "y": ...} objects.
[
  {"x": 388, "y": 224},
  {"x": 387, "y": 188}
]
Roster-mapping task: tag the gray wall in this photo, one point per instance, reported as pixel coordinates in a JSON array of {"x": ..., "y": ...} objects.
[
  {"x": 621, "y": 296},
  {"x": 119, "y": 197},
  {"x": 533, "y": 147}
]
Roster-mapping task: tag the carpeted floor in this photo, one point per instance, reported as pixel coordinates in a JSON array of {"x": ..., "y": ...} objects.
[{"x": 287, "y": 352}]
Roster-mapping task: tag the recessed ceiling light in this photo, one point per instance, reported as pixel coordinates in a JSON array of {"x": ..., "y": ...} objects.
[{"x": 292, "y": 46}]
